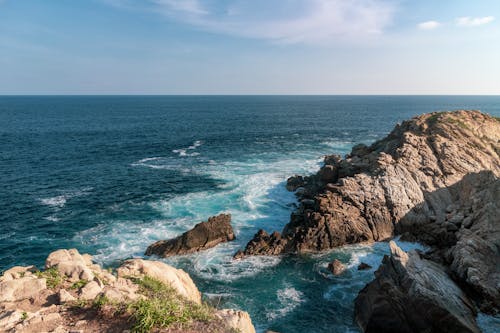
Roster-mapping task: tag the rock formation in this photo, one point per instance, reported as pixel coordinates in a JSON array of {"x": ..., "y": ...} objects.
[
  {"x": 74, "y": 294},
  {"x": 389, "y": 187},
  {"x": 410, "y": 295},
  {"x": 336, "y": 267},
  {"x": 433, "y": 179},
  {"x": 203, "y": 236}
]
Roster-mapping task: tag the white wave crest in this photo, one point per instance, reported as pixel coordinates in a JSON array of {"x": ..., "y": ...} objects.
[
  {"x": 289, "y": 298},
  {"x": 183, "y": 152},
  {"x": 59, "y": 201}
]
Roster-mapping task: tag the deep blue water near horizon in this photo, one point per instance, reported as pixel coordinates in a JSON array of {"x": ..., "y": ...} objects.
[{"x": 109, "y": 175}]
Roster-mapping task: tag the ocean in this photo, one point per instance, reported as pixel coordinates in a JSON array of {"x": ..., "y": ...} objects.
[{"x": 109, "y": 175}]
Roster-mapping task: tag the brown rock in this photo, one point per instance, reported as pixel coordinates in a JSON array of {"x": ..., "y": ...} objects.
[
  {"x": 336, "y": 267},
  {"x": 237, "y": 320},
  {"x": 410, "y": 295},
  {"x": 203, "y": 236},
  {"x": 398, "y": 184}
]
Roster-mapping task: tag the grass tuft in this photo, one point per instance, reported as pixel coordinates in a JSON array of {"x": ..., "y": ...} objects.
[
  {"x": 163, "y": 307},
  {"x": 78, "y": 284},
  {"x": 52, "y": 276}
]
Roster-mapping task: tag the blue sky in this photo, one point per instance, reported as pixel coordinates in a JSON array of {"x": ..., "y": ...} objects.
[{"x": 249, "y": 47}]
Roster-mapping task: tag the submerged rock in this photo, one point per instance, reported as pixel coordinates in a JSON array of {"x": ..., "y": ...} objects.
[
  {"x": 411, "y": 295},
  {"x": 363, "y": 266},
  {"x": 203, "y": 236}
]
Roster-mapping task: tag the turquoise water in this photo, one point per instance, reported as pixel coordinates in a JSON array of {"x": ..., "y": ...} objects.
[{"x": 110, "y": 175}]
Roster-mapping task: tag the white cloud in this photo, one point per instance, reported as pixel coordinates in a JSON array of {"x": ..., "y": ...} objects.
[
  {"x": 287, "y": 21},
  {"x": 473, "y": 21},
  {"x": 428, "y": 25}
]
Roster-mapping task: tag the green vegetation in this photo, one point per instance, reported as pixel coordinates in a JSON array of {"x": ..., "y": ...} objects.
[
  {"x": 52, "y": 276},
  {"x": 24, "y": 316},
  {"x": 457, "y": 122},
  {"x": 78, "y": 284},
  {"x": 100, "y": 301},
  {"x": 163, "y": 307},
  {"x": 435, "y": 117}
]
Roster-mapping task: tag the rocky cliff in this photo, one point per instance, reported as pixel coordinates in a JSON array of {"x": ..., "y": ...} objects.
[
  {"x": 433, "y": 179},
  {"x": 73, "y": 294},
  {"x": 390, "y": 187},
  {"x": 407, "y": 297}
]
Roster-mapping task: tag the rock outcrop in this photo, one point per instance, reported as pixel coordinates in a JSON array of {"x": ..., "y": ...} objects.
[
  {"x": 74, "y": 294},
  {"x": 203, "y": 236},
  {"x": 177, "y": 278},
  {"x": 410, "y": 295},
  {"x": 389, "y": 187},
  {"x": 336, "y": 267}
]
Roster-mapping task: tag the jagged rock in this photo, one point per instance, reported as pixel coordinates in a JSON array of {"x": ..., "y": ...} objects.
[
  {"x": 21, "y": 288},
  {"x": 336, "y": 267},
  {"x": 363, "y": 266},
  {"x": 410, "y": 295},
  {"x": 71, "y": 264},
  {"x": 294, "y": 182},
  {"x": 399, "y": 183},
  {"x": 177, "y": 278},
  {"x": 237, "y": 320},
  {"x": 203, "y": 236},
  {"x": 263, "y": 244}
]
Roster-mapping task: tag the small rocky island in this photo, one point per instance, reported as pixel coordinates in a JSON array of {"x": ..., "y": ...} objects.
[
  {"x": 203, "y": 236},
  {"x": 433, "y": 179}
]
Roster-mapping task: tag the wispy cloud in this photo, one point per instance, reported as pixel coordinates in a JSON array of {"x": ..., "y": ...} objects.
[
  {"x": 428, "y": 25},
  {"x": 287, "y": 21},
  {"x": 468, "y": 21}
]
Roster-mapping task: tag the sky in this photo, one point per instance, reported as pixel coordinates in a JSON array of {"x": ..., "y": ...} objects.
[{"x": 249, "y": 47}]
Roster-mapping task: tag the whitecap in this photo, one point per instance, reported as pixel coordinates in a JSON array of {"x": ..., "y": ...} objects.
[
  {"x": 183, "y": 151},
  {"x": 289, "y": 298},
  {"x": 59, "y": 201}
]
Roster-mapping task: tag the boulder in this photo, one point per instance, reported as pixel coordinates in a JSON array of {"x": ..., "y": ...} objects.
[
  {"x": 263, "y": 244},
  {"x": 64, "y": 296},
  {"x": 176, "y": 278},
  {"x": 71, "y": 264},
  {"x": 203, "y": 236},
  {"x": 21, "y": 288},
  {"x": 90, "y": 290},
  {"x": 411, "y": 294},
  {"x": 238, "y": 320},
  {"x": 17, "y": 272},
  {"x": 336, "y": 267}
]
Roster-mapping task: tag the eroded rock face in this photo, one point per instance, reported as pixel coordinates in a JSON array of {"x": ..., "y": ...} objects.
[
  {"x": 412, "y": 294},
  {"x": 396, "y": 185},
  {"x": 177, "y": 278},
  {"x": 203, "y": 236}
]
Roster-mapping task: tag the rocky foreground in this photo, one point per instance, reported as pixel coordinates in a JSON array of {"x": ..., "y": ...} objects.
[
  {"x": 73, "y": 294},
  {"x": 433, "y": 179}
]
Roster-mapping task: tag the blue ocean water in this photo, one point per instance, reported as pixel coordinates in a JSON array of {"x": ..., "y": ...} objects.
[{"x": 109, "y": 175}]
